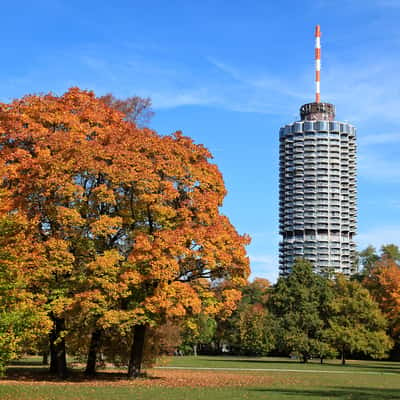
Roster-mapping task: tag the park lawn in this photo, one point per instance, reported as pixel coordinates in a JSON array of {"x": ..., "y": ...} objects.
[
  {"x": 226, "y": 362},
  {"x": 358, "y": 383}
]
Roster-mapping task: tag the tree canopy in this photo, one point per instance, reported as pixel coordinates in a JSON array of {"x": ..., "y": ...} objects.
[
  {"x": 128, "y": 220},
  {"x": 355, "y": 322},
  {"x": 299, "y": 303}
]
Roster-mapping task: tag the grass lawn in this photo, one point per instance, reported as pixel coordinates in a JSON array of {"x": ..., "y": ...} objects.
[{"x": 265, "y": 378}]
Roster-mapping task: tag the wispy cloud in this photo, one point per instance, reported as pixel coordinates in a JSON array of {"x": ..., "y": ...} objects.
[
  {"x": 263, "y": 81},
  {"x": 379, "y": 138},
  {"x": 376, "y": 167},
  {"x": 183, "y": 98},
  {"x": 379, "y": 236},
  {"x": 264, "y": 266}
]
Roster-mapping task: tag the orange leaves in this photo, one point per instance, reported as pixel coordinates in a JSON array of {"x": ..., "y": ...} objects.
[
  {"x": 103, "y": 194},
  {"x": 175, "y": 300},
  {"x": 58, "y": 256},
  {"x": 230, "y": 298},
  {"x": 127, "y": 222},
  {"x": 106, "y": 263},
  {"x": 384, "y": 286},
  {"x": 68, "y": 217},
  {"x": 106, "y": 225}
]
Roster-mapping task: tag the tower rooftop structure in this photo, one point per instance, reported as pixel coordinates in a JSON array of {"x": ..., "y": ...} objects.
[
  {"x": 317, "y": 112},
  {"x": 317, "y": 187}
]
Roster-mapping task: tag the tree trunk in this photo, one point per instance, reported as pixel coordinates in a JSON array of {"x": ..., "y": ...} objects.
[
  {"x": 58, "y": 355},
  {"x": 195, "y": 350},
  {"x": 45, "y": 358},
  {"x": 53, "y": 358},
  {"x": 137, "y": 350},
  {"x": 343, "y": 357},
  {"x": 321, "y": 360},
  {"x": 305, "y": 358},
  {"x": 92, "y": 353}
]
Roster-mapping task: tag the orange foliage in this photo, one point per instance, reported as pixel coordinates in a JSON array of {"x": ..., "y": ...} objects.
[
  {"x": 384, "y": 286},
  {"x": 128, "y": 220}
]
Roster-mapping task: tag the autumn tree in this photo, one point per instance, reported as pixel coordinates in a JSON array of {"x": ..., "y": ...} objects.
[
  {"x": 355, "y": 322},
  {"x": 384, "y": 285},
  {"x": 136, "y": 109},
  {"x": 22, "y": 315},
  {"x": 369, "y": 257},
  {"x": 128, "y": 220},
  {"x": 299, "y": 304}
]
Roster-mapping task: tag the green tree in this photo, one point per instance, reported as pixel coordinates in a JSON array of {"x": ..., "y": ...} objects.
[
  {"x": 368, "y": 257},
  {"x": 355, "y": 322},
  {"x": 299, "y": 303},
  {"x": 199, "y": 331},
  {"x": 255, "y": 330},
  {"x": 250, "y": 328},
  {"x": 391, "y": 251}
]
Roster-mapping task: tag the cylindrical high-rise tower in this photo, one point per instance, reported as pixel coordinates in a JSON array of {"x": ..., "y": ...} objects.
[{"x": 317, "y": 190}]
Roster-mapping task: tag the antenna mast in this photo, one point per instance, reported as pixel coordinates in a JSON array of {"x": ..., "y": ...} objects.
[{"x": 317, "y": 63}]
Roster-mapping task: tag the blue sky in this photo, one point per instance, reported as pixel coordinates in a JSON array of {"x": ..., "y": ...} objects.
[{"x": 229, "y": 74}]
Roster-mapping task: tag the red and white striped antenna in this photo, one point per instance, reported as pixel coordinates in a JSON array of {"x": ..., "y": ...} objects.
[{"x": 317, "y": 63}]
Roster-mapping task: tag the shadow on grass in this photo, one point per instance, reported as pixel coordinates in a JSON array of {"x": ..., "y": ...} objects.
[
  {"x": 43, "y": 375},
  {"x": 28, "y": 363},
  {"x": 354, "y": 393},
  {"x": 393, "y": 369},
  {"x": 251, "y": 361},
  {"x": 378, "y": 368}
]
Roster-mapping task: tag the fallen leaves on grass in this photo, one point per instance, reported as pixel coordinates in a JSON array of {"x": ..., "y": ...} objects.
[{"x": 170, "y": 378}]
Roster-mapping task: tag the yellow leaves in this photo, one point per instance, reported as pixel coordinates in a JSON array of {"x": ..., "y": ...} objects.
[
  {"x": 142, "y": 243},
  {"x": 60, "y": 304},
  {"x": 70, "y": 191},
  {"x": 176, "y": 299},
  {"x": 106, "y": 225},
  {"x": 69, "y": 217},
  {"x": 106, "y": 263},
  {"x": 103, "y": 194},
  {"x": 58, "y": 255},
  {"x": 122, "y": 319},
  {"x": 230, "y": 299},
  {"x": 132, "y": 278}
]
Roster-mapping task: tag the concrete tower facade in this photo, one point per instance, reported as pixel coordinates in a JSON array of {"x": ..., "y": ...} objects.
[
  {"x": 317, "y": 188},
  {"x": 317, "y": 191}
]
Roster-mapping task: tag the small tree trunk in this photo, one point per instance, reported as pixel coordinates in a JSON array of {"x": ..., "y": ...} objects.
[
  {"x": 58, "y": 355},
  {"x": 195, "y": 350},
  {"x": 53, "y": 357},
  {"x": 45, "y": 358},
  {"x": 321, "y": 360},
  {"x": 305, "y": 358},
  {"x": 343, "y": 357},
  {"x": 137, "y": 350},
  {"x": 92, "y": 353}
]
